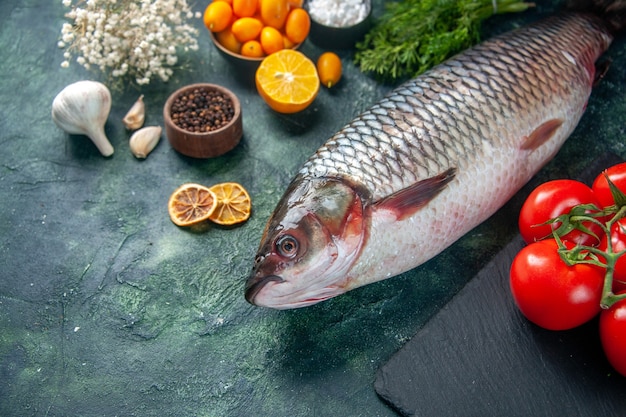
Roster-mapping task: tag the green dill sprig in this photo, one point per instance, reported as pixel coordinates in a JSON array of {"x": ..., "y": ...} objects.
[{"x": 414, "y": 35}]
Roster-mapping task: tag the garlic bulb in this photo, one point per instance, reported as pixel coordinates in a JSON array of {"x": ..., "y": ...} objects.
[
  {"x": 136, "y": 115},
  {"x": 143, "y": 141},
  {"x": 82, "y": 108}
]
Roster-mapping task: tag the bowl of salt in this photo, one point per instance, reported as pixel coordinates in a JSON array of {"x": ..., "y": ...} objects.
[{"x": 338, "y": 24}]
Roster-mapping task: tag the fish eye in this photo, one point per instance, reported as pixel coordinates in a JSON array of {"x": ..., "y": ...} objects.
[{"x": 287, "y": 246}]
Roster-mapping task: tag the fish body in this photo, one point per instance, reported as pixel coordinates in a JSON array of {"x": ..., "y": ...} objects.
[{"x": 433, "y": 159}]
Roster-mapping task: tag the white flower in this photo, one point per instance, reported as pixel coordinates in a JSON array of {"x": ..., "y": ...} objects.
[{"x": 128, "y": 37}]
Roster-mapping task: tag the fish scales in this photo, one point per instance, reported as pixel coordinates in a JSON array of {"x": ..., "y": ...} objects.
[
  {"x": 448, "y": 113},
  {"x": 434, "y": 158}
]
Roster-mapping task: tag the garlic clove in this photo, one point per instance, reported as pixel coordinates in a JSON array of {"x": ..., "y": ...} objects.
[
  {"x": 82, "y": 108},
  {"x": 136, "y": 116},
  {"x": 143, "y": 141}
]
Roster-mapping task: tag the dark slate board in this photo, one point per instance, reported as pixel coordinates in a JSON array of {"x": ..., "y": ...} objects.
[{"x": 479, "y": 356}]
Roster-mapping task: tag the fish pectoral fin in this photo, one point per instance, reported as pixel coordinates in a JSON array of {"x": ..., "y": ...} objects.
[
  {"x": 407, "y": 201},
  {"x": 541, "y": 134}
]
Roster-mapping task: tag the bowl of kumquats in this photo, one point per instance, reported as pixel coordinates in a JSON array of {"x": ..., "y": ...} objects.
[{"x": 246, "y": 31}]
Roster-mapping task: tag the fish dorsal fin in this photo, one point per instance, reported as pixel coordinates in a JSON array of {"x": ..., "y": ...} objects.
[
  {"x": 407, "y": 201},
  {"x": 541, "y": 134}
]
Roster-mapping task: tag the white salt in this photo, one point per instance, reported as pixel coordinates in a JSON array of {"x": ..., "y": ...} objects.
[{"x": 338, "y": 13}]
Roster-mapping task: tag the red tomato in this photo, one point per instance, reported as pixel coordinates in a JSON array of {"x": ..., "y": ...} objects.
[
  {"x": 613, "y": 335},
  {"x": 552, "y": 294},
  {"x": 548, "y": 201},
  {"x": 617, "y": 175},
  {"x": 618, "y": 242}
]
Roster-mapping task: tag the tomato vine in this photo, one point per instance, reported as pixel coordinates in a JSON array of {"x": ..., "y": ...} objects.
[
  {"x": 574, "y": 265},
  {"x": 572, "y": 256}
]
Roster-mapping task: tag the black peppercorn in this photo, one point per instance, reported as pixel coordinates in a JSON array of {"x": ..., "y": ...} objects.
[{"x": 202, "y": 110}]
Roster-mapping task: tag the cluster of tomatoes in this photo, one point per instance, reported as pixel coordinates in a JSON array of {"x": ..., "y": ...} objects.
[
  {"x": 257, "y": 28},
  {"x": 572, "y": 268}
]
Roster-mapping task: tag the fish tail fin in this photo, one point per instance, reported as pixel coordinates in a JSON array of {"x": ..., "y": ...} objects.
[{"x": 613, "y": 12}]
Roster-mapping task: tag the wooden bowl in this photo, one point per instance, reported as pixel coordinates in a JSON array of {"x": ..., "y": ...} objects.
[
  {"x": 336, "y": 38},
  {"x": 203, "y": 144},
  {"x": 242, "y": 64}
]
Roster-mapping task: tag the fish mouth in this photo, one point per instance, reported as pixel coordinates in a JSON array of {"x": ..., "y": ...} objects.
[{"x": 255, "y": 285}]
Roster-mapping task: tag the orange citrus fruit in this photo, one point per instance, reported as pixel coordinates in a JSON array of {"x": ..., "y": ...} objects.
[
  {"x": 228, "y": 40},
  {"x": 244, "y": 8},
  {"x": 252, "y": 49},
  {"x": 329, "y": 68},
  {"x": 298, "y": 25},
  {"x": 287, "y": 44},
  {"x": 274, "y": 12},
  {"x": 287, "y": 80},
  {"x": 233, "y": 204},
  {"x": 271, "y": 40},
  {"x": 246, "y": 28},
  {"x": 217, "y": 16},
  {"x": 191, "y": 204}
]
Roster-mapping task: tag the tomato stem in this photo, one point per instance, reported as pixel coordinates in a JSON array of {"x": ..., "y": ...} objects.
[
  {"x": 608, "y": 297},
  {"x": 583, "y": 254}
]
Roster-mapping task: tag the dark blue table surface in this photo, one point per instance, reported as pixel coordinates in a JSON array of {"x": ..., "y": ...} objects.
[{"x": 107, "y": 308}]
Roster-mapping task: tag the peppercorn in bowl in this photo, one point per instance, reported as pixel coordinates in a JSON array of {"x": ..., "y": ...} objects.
[
  {"x": 338, "y": 24},
  {"x": 203, "y": 120}
]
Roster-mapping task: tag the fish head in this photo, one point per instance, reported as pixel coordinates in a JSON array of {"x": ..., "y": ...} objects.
[{"x": 309, "y": 244}]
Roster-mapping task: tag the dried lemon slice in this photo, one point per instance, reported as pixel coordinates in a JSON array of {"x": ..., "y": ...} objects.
[
  {"x": 191, "y": 204},
  {"x": 233, "y": 204}
]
